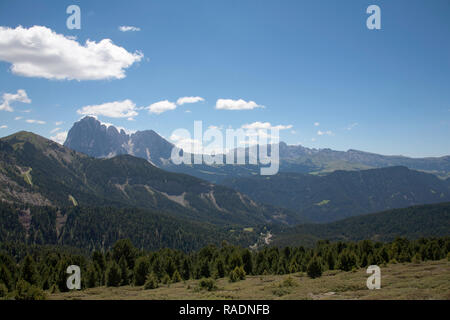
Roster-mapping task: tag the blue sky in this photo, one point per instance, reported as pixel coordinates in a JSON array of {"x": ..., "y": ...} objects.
[{"x": 313, "y": 66}]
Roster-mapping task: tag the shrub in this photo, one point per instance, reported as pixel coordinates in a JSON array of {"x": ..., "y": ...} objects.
[
  {"x": 207, "y": 284},
  {"x": 237, "y": 274},
  {"x": 151, "y": 282},
  {"x": 176, "y": 277},
  {"x": 417, "y": 258},
  {"x": 166, "y": 279},
  {"x": 26, "y": 291},
  {"x": 288, "y": 282}
]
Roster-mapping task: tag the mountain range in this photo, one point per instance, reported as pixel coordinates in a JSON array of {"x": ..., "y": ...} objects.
[
  {"x": 38, "y": 171},
  {"x": 91, "y": 137},
  {"x": 51, "y": 194}
]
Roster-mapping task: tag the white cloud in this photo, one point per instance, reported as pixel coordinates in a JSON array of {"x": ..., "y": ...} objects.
[
  {"x": 188, "y": 111},
  {"x": 35, "y": 121},
  {"x": 325, "y": 133},
  {"x": 55, "y": 130},
  {"x": 161, "y": 106},
  {"x": 229, "y": 104},
  {"x": 3, "y": 127},
  {"x": 184, "y": 100},
  {"x": 350, "y": 127},
  {"x": 60, "y": 137},
  {"x": 186, "y": 143},
  {"x": 316, "y": 124},
  {"x": 40, "y": 52},
  {"x": 116, "y": 109},
  {"x": 8, "y": 98},
  {"x": 265, "y": 125},
  {"x": 129, "y": 28},
  {"x": 58, "y": 123},
  {"x": 18, "y": 118}
]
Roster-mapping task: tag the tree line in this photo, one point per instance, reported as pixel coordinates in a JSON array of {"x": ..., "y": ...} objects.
[{"x": 28, "y": 274}]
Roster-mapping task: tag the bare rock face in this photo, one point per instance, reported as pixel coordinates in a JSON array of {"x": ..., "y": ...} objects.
[{"x": 91, "y": 137}]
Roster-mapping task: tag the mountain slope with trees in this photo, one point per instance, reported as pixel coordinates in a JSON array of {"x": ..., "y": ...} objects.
[
  {"x": 342, "y": 194},
  {"x": 413, "y": 223},
  {"x": 38, "y": 171}
]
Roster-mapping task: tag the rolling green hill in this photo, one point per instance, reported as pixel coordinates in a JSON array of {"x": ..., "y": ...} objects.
[
  {"x": 414, "y": 222},
  {"x": 342, "y": 194}
]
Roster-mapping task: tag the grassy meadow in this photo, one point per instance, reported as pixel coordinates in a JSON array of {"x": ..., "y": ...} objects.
[{"x": 422, "y": 281}]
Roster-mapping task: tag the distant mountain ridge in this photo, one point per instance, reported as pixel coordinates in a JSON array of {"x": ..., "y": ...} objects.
[
  {"x": 342, "y": 194},
  {"x": 91, "y": 137},
  {"x": 38, "y": 171}
]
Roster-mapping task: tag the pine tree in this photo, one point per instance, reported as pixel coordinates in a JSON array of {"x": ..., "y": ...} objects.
[
  {"x": 29, "y": 272},
  {"x": 347, "y": 260},
  {"x": 220, "y": 268},
  {"x": 113, "y": 277},
  {"x": 124, "y": 273},
  {"x": 92, "y": 278},
  {"x": 314, "y": 269},
  {"x": 151, "y": 282},
  {"x": 247, "y": 261},
  {"x": 141, "y": 270},
  {"x": 186, "y": 269},
  {"x": 204, "y": 269}
]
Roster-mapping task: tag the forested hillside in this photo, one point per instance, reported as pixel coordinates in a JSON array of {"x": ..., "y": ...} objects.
[
  {"x": 98, "y": 228},
  {"x": 412, "y": 223},
  {"x": 38, "y": 171},
  {"x": 343, "y": 194}
]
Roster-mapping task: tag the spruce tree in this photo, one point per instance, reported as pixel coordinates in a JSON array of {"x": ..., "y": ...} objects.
[
  {"x": 314, "y": 269},
  {"x": 141, "y": 269},
  {"x": 29, "y": 272},
  {"x": 113, "y": 276}
]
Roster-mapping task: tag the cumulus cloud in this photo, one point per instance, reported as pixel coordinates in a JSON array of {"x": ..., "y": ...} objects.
[
  {"x": 229, "y": 104},
  {"x": 3, "y": 126},
  {"x": 316, "y": 124},
  {"x": 265, "y": 125},
  {"x": 58, "y": 123},
  {"x": 161, "y": 106},
  {"x": 60, "y": 137},
  {"x": 8, "y": 98},
  {"x": 35, "y": 121},
  {"x": 184, "y": 100},
  {"x": 324, "y": 133},
  {"x": 116, "y": 109},
  {"x": 55, "y": 130},
  {"x": 18, "y": 118},
  {"x": 40, "y": 52},
  {"x": 129, "y": 28}
]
